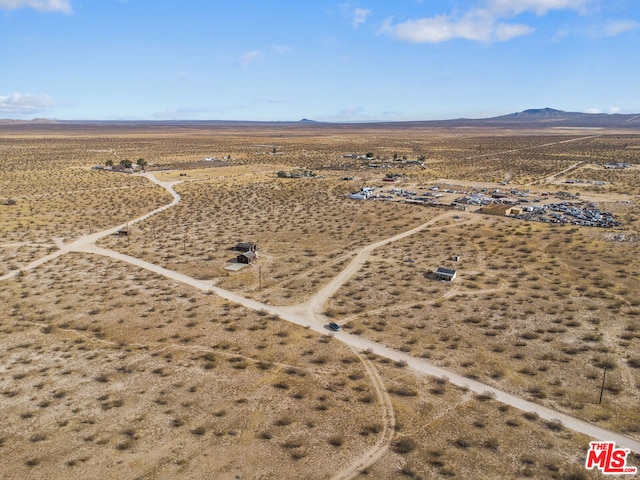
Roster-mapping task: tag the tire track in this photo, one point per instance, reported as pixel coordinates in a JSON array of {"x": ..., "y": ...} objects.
[{"x": 383, "y": 443}]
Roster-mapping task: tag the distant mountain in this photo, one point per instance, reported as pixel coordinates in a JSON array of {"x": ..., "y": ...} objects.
[
  {"x": 531, "y": 118},
  {"x": 559, "y": 118},
  {"x": 534, "y": 118},
  {"x": 39, "y": 121},
  {"x": 541, "y": 118},
  {"x": 542, "y": 113}
]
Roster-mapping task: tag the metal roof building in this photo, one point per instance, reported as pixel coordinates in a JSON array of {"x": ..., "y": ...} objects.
[{"x": 446, "y": 274}]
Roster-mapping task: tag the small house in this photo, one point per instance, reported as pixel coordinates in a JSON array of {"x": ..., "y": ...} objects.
[
  {"x": 446, "y": 274},
  {"x": 246, "y": 247},
  {"x": 247, "y": 257},
  {"x": 123, "y": 232}
]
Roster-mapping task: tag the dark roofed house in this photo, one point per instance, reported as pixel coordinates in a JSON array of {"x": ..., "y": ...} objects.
[
  {"x": 247, "y": 257},
  {"x": 447, "y": 274},
  {"x": 246, "y": 247}
]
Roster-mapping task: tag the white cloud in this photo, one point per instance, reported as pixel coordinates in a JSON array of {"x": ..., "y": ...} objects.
[
  {"x": 539, "y": 7},
  {"x": 359, "y": 16},
  {"x": 25, "y": 103},
  {"x": 250, "y": 57},
  {"x": 609, "y": 110},
  {"x": 618, "y": 27},
  {"x": 63, "y": 6},
  {"x": 483, "y": 23},
  {"x": 507, "y": 31},
  {"x": 475, "y": 26}
]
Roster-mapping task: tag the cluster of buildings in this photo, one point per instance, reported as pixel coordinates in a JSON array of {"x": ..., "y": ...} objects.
[{"x": 514, "y": 203}]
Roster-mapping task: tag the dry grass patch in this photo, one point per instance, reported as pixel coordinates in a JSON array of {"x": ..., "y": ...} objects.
[
  {"x": 456, "y": 434},
  {"x": 536, "y": 309},
  {"x": 306, "y": 233},
  {"x": 133, "y": 378}
]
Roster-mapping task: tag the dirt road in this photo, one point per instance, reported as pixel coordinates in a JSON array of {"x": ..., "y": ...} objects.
[
  {"x": 310, "y": 315},
  {"x": 533, "y": 147},
  {"x": 89, "y": 240},
  {"x": 554, "y": 175},
  {"x": 362, "y": 344},
  {"x": 314, "y": 308}
]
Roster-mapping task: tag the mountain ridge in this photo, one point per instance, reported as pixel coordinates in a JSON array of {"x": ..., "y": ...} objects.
[{"x": 529, "y": 118}]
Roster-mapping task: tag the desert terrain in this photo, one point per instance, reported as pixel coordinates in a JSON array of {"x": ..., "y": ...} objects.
[{"x": 140, "y": 355}]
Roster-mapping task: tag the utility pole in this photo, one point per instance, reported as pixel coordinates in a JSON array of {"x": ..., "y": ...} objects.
[{"x": 604, "y": 374}]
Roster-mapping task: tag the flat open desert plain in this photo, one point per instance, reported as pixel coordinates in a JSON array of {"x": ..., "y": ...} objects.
[{"x": 135, "y": 344}]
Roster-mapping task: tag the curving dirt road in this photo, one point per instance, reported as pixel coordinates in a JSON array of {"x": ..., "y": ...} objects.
[
  {"x": 381, "y": 446},
  {"x": 89, "y": 240},
  {"x": 314, "y": 308},
  {"x": 362, "y": 344},
  {"x": 310, "y": 315},
  {"x": 301, "y": 315}
]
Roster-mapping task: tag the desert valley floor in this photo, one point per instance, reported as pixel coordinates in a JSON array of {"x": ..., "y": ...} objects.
[{"x": 130, "y": 350}]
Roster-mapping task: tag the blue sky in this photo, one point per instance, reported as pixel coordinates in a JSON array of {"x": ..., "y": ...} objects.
[{"x": 360, "y": 60}]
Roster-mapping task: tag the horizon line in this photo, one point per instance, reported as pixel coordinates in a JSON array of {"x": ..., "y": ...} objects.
[{"x": 300, "y": 121}]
